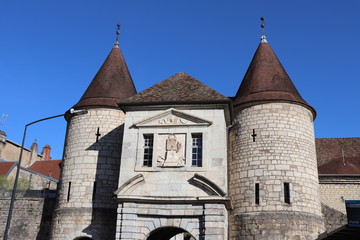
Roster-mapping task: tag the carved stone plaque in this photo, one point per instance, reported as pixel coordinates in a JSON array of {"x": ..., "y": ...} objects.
[
  {"x": 172, "y": 120},
  {"x": 171, "y": 150}
]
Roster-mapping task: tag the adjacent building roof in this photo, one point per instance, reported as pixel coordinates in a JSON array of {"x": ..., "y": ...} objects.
[
  {"x": 266, "y": 80},
  {"x": 111, "y": 84},
  {"x": 338, "y": 155},
  {"x": 180, "y": 88},
  {"x": 50, "y": 168},
  {"x": 6, "y": 167},
  {"x": 341, "y": 166}
]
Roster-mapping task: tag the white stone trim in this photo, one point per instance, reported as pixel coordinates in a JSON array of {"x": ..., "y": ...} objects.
[
  {"x": 172, "y": 118},
  {"x": 130, "y": 185},
  {"x": 203, "y": 182}
]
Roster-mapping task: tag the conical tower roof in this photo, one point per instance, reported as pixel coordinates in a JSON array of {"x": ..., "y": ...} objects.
[
  {"x": 111, "y": 84},
  {"x": 267, "y": 81}
]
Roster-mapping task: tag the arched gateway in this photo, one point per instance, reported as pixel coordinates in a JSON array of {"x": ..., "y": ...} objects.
[{"x": 166, "y": 233}]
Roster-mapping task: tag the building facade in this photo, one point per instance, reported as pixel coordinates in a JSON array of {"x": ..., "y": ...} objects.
[{"x": 181, "y": 160}]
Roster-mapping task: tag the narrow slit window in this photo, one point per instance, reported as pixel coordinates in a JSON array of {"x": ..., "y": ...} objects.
[
  {"x": 196, "y": 150},
  {"x": 148, "y": 150},
  {"x": 287, "y": 192},
  {"x": 94, "y": 191},
  {"x": 68, "y": 193},
  {"x": 257, "y": 193}
]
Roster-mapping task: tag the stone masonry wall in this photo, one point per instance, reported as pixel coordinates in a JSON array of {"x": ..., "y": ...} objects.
[
  {"x": 277, "y": 226},
  {"x": 335, "y": 190},
  {"x": 10, "y": 151},
  {"x": 31, "y": 219},
  {"x": 333, "y": 219},
  {"x": 36, "y": 181},
  {"x": 283, "y": 152},
  {"x": 90, "y": 175}
]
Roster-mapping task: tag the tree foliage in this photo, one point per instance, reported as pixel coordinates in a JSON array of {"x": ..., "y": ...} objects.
[{"x": 7, "y": 184}]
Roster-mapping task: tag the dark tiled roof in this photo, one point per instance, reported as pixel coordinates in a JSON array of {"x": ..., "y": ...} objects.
[
  {"x": 332, "y": 153},
  {"x": 5, "y": 167},
  {"x": 346, "y": 165},
  {"x": 328, "y": 149},
  {"x": 179, "y": 88},
  {"x": 50, "y": 168},
  {"x": 267, "y": 80},
  {"x": 111, "y": 84}
]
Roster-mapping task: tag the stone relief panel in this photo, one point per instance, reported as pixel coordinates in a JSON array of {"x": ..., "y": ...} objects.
[
  {"x": 172, "y": 117},
  {"x": 171, "y": 150},
  {"x": 172, "y": 120}
]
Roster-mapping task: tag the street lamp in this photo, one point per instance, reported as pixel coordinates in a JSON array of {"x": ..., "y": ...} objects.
[{"x": 12, "y": 201}]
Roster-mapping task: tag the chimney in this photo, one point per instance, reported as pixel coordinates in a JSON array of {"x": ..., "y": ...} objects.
[
  {"x": 46, "y": 152},
  {"x": 33, "y": 155},
  {"x": 2, "y": 142},
  {"x": 2, "y": 136}
]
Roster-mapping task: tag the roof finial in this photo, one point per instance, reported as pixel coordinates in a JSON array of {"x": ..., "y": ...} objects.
[
  {"x": 263, "y": 38},
  {"x": 116, "y": 45}
]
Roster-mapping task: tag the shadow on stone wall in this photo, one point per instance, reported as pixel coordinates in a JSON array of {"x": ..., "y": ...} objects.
[
  {"x": 333, "y": 218},
  {"x": 104, "y": 210},
  {"x": 46, "y": 219},
  {"x": 31, "y": 217}
]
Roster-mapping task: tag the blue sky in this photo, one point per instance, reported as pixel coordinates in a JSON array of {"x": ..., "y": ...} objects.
[{"x": 51, "y": 50}]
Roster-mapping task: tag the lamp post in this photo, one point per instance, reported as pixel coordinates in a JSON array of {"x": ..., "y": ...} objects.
[{"x": 12, "y": 201}]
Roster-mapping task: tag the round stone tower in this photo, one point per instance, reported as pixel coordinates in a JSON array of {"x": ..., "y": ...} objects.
[
  {"x": 273, "y": 168},
  {"x": 90, "y": 168}
]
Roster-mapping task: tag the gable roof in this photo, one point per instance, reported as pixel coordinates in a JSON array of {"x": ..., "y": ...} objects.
[
  {"x": 338, "y": 155},
  {"x": 180, "y": 88},
  {"x": 266, "y": 80},
  {"x": 50, "y": 168},
  {"x": 111, "y": 84},
  {"x": 6, "y": 167}
]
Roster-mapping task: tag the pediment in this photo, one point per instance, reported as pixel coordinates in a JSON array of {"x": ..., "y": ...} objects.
[{"x": 172, "y": 117}]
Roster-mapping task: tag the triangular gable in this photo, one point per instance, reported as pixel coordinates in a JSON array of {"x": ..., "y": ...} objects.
[{"x": 172, "y": 117}]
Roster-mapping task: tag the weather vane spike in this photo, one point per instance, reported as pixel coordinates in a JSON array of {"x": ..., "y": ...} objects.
[
  {"x": 117, "y": 36},
  {"x": 263, "y": 38}
]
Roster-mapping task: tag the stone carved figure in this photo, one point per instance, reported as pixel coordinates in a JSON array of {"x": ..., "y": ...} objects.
[
  {"x": 172, "y": 156},
  {"x": 172, "y": 144}
]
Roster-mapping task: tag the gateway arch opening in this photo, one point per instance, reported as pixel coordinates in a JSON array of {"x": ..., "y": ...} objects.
[{"x": 170, "y": 233}]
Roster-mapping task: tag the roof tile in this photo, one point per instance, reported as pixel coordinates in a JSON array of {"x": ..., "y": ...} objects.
[
  {"x": 5, "y": 167},
  {"x": 50, "y": 168},
  {"x": 267, "y": 80},
  {"x": 179, "y": 88},
  {"x": 346, "y": 165},
  {"x": 332, "y": 153},
  {"x": 111, "y": 84}
]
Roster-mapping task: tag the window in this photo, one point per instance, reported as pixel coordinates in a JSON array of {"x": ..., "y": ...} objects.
[
  {"x": 196, "y": 150},
  {"x": 94, "y": 191},
  {"x": 148, "y": 150},
  {"x": 257, "y": 193},
  {"x": 68, "y": 193},
  {"x": 287, "y": 192}
]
